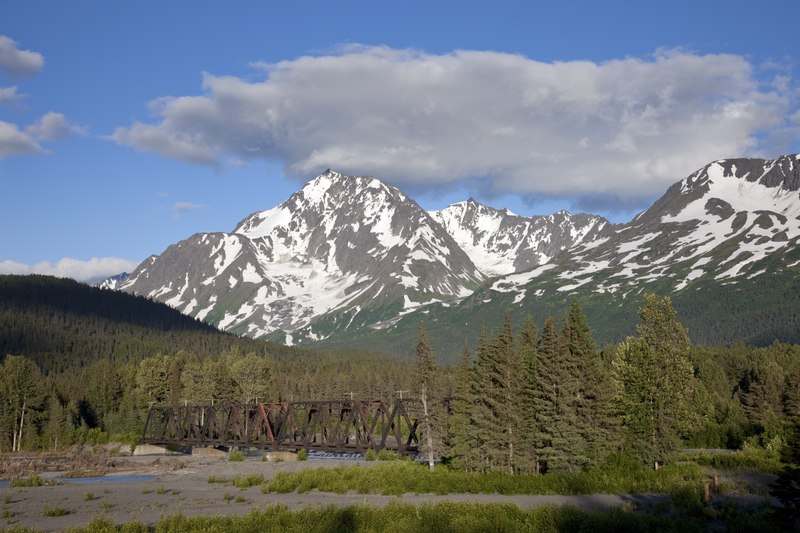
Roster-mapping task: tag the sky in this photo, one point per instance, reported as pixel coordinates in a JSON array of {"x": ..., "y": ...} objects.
[{"x": 126, "y": 127}]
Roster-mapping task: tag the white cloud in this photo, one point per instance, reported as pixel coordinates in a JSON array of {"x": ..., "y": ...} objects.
[
  {"x": 621, "y": 129},
  {"x": 10, "y": 96},
  {"x": 72, "y": 268},
  {"x": 53, "y": 127},
  {"x": 15, "y": 142},
  {"x": 19, "y": 62}
]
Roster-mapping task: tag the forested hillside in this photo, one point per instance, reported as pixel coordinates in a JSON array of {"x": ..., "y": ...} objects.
[{"x": 59, "y": 323}]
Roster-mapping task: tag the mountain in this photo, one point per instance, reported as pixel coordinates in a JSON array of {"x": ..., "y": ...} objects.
[
  {"x": 353, "y": 262},
  {"x": 723, "y": 243},
  {"x": 500, "y": 242},
  {"x": 112, "y": 282},
  {"x": 344, "y": 252}
]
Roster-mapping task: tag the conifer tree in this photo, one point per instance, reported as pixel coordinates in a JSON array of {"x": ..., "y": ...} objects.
[
  {"x": 593, "y": 408},
  {"x": 463, "y": 438},
  {"x": 559, "y": 445},
  {"x": 654, "y": 379},
  {"x": 529, "y": 458}
]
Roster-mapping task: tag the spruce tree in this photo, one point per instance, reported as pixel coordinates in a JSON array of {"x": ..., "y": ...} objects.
[
  {"x": 594, "y": 412},
  {"x": 559, "y": 445},
  {"x": 462, "y": 433},
  {"x": 528, "y": 456}
]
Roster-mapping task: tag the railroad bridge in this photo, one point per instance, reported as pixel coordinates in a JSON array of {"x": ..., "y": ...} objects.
[{"x": 334, "y": 426}]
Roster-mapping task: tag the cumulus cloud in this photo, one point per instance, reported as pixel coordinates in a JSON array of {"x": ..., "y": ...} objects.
[
  {"x": 18, "y": 62},
  {"x": 50, "y": 127},
  {"x": 76, "y": 269},
  {"x": 15, "y": 142},
  {"x": 621, "y": 129},
  {"x": 53, "y": 127}
]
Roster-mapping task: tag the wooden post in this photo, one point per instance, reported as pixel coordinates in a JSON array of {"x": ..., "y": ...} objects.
[
  {"x": 706, "y": 493},
  {"x": 715, "y": 483}
]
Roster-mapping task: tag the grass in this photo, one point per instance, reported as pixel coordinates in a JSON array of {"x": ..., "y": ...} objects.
[
  {"x": 33, "y": 481},
  {"x": 384, "y": 455},
  {"x": 161, "y": 490},
  {"x": 397, "y": 517},
  {"x": 106, "y": 506},
  {"x": 760, "y": 460},
  {"x": 236, "y": 456},
  {"x": 302, "y": 455},
  {"x": 147, "y": 491},
  {"x": 218, "y": 479},
  {"x": 54, "y": 511},
  {"x": 251, "y": 480},
  {"x": 228, "y": 497},
  {"x": 619, "y": 476},
  {"x": 89, "y": 496}
]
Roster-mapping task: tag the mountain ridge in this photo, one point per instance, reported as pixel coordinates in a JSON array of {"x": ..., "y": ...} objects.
[{"x": 392, "y": 263}]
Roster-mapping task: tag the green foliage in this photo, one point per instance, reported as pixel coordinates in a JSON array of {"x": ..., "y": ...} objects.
[
  {"x": 236, "y": 456},
  {"x": 302, "y": 455},
  {"x": 89, "y": 496},
  {"x": 250, "y": 480},
  {"x": 620, "y": 474},
  {"x": 54, "y": 511},
  {"x": 654, "y": 377},
  {"x": 32, "y": 481}
]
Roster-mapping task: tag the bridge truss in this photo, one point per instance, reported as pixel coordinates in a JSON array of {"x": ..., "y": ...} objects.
[{"x": 334, "y": 426}]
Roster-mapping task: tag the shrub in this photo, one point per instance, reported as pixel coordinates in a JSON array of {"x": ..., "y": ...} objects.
[
  {"x": 251, "y": 480},
  {"x": 236, "y": 456},
  {"x": 54, "y": 511},
  {"x": 302, "y": 455},
  {"x": 33, "y": 481}
]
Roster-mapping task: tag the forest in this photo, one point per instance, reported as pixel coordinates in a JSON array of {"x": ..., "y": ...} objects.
[{"x": 525, "y": 399}]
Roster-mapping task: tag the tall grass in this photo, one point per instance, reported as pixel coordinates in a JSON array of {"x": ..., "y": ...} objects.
[
  {"x": 442, "y": 517},
  {"x": 620, "y": 475}
]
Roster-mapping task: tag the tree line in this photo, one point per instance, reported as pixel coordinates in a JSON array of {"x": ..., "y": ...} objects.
[
  {"x": 551, "y": 401},
  {"x": 525, "y": 399}
]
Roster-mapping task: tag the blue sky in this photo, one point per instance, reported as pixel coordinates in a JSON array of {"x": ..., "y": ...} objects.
[{"x": 128, "y": 126}]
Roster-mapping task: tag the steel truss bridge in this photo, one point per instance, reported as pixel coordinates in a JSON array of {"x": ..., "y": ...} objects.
[{"x": 333, "y": 426}]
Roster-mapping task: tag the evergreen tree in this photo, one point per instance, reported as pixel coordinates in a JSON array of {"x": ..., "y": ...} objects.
[
  {"x": 654, "y": 379},
  {"x": 559, "y": 447},
  {"x": 462, "y": 434},
  {"x": 529, "y": 458},
  {"x": 595, "y": 417}
]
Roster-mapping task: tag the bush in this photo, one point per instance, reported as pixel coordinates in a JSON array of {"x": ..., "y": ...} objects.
[
  {"x": 302, "y": 455},
  {"x": 251, "y": 480},
  {"x": 235, "y": 456},
  {"x": 33, "y": 481}
]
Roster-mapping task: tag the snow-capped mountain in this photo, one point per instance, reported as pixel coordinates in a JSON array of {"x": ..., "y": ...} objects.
[
  {"x": 350, "y": 257},
  {"x": 344, "y": 251},
  {"x": 500, "y": 242},
  {"x": 727, "y": 234},
  {"x": 113, "y": 282},
  {"x": 721, "y": 221}
]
